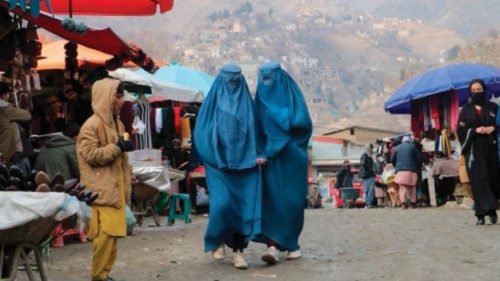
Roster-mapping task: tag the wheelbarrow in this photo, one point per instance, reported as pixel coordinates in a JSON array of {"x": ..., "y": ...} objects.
[
  {"x": 143, "y": 200},
  {"x": 17, "y": 242}
]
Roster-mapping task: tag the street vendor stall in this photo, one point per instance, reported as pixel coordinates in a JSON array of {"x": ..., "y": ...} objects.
[
  {"x": 162, "y": 116},
  {"x": 444, "y": 172},
  {"x": 62, "y": 95},
  {"x": 433, "y": 99},
  {"x": 26, "y": 221},
  {"x": 153, "y": 177}
]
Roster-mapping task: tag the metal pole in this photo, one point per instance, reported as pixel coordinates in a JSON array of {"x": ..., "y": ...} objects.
[{"x": 70, "y": 9}]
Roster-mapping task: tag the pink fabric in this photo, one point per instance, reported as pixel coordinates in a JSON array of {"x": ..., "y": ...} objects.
[
  {"x": 407, "y": 191},
  {"x": 434, "y": 104},
  {"x": 427, "y": 115},
  {"x": 379, "y": 192},
  {"x": 407, "y": 182},
  {"x": 416, "y": 119},
  {"x": 177, "y": 120},
  {"x": 406, "y": 178},
  {"x": 454, "y": 110}
]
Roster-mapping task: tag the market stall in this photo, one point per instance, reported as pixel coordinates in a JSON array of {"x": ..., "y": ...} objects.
[
  {"x": 161, "y": 116},
  {"x": 444, "y": 172},
  {"x": 433, "y": 99},
  {"x": 33, "y": 203}
]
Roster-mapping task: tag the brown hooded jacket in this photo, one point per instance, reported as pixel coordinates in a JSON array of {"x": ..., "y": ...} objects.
[{"x": 99, "y": 157}]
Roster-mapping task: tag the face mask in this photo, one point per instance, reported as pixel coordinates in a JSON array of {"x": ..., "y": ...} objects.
[{"x": 477, "y": 97}]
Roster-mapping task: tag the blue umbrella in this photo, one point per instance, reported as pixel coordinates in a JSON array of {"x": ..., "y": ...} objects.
[
  {"x": 184, "y": 76},
  {"x": 443, "y": 79}
]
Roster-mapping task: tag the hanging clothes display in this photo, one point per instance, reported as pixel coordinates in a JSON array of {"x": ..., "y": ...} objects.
[
  {"x": 127, "y": 118},
  {"x": 185, "y": 132},
  {"x": 416, "y": 119},
  {"x": 427, "y": 115},
  {"x": 445, "y": 110},
  {"x": 177, "y": 120},
  {"x": 158, "y": 120},
  {"x": 455, "y": 108},
  {"x": 434, "y": 109},
  {"x": 144, "y": 140},
  {"x": 168, "y": 123},
  {"x": 434, "y": 113},
  {"x": 445, "y": 143}
]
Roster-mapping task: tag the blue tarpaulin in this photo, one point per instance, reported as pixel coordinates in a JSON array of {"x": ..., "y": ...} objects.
[
  {"x": 184, "y": 76},
  {"x": 443, "y": 79}
]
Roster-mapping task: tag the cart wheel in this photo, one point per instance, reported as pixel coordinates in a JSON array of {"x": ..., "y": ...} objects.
[{"x": 156, "y": 218}]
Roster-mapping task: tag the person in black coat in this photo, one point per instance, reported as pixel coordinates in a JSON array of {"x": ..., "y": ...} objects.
[
  {"x": 367, "y": 173},
  {"x": 477, "y": 135},
  {"x": 344, "y": 176}
]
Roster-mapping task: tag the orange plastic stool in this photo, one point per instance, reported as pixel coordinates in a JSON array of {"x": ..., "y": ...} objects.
[{"x": 59, "y": 233}]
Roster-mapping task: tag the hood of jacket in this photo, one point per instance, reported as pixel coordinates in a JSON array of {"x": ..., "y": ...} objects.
[
  {"x": 60, "y": 140},
  {"x": 103, "y": 95}
]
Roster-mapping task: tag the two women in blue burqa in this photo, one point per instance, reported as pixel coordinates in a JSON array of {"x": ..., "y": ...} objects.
[
  {"x": 285, "y": 126},
  {"x": 226, "y": 139},
  {"x": 255, "y": 159}
]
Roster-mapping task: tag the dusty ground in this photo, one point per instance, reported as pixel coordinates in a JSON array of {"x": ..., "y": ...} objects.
[{"x": 353, "y": 244}]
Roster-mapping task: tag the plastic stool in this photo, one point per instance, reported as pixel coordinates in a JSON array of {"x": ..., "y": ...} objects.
[
  {"x": 186, "y": 214},
  {"x": 59, "y": 233}
]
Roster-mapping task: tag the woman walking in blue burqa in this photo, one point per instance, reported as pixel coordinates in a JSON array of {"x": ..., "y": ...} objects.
[
  {"x": 226, "y": 140},
  {"x": 286, "y": 128}
]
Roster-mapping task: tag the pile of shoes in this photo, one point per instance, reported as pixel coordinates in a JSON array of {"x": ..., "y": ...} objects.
[{"x": 14, "y": 179}]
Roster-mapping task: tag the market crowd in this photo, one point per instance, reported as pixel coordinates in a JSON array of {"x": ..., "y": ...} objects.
[{"x": 477, "y": 155}]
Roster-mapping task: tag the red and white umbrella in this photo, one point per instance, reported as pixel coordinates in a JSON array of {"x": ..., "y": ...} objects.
[{"x": 108, "y": 7}]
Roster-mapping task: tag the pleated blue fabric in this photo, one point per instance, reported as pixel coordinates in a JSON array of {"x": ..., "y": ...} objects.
[
  {"x": 286, "y": 127},
  {"x": 226, "y": 139}
]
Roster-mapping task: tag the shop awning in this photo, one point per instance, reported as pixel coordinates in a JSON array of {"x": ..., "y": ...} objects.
[
  {"x": 170, "y": 91},
  {"x": 53, "y": 56},
  {"x": 109, "y": 7},
  {"x": 443, "y": 79},
  {"x": 103, "y": 40}
]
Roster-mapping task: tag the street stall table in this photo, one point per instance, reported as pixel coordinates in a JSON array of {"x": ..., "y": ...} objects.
[
  {"x": 26, "y": 221},
  {"x": 154, "y": 176},
  {"x": 445, "y": 168},
  {"x": 152, "y": 181}
]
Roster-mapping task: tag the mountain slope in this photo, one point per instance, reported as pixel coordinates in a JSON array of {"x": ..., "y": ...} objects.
[
  {"x": 469, "y": 18},
  {"x": 339, "y": 51}
]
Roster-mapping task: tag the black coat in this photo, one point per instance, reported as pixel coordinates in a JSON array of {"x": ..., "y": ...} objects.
[
  {"x": 344, "y": 178},
  {"x": 366, "y": 169},
  {"x": 480, "y": 152}
]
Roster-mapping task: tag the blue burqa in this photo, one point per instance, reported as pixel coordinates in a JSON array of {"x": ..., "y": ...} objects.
[
  {"x": 286, "y": 128},
  {"x": 225, "y": 136}
]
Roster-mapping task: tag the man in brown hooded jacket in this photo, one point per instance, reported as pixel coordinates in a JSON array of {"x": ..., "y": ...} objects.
[{"x": 104, "y": 169}]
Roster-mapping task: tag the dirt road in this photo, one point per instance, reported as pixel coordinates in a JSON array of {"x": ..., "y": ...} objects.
[{"x": 353, "y": 244}]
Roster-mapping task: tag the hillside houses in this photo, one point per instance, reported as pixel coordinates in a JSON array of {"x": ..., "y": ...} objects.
[{"x": 315, "y": 46}]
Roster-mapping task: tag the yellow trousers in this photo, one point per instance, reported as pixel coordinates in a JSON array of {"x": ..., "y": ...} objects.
[{"x": 104, "y": 255}]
